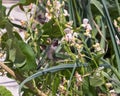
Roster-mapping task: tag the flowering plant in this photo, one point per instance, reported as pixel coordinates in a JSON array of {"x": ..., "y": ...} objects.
[{"x": 67, "y": 48}]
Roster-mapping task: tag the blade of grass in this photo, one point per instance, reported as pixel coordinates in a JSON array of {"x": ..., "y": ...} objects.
[
  {"x": 76, "y": 12},
  {"x": 98, "y": 5},
  {"x": 49, "y": 70},
  {"x": 70, "y": 10},
  {"x": 118, "y": 6},
  {"x": 112, "y": 34}
]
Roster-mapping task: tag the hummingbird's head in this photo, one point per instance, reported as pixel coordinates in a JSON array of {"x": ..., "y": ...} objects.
[{"x": 55, "y": 42}]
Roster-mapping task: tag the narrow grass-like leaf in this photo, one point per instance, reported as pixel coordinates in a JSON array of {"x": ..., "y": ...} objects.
[
  {"x": 118, "y": 6},
  {"x": 98, "y": 5},
  {"x": 50, "y": 70},
  {"x": 76, "y": 12},
  {"x": 112, "y": 34},
  {"x": 70, "y": 10}
]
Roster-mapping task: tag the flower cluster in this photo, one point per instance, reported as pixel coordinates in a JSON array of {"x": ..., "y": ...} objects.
[
  {"x": 117, "y": 23},
  {"x": 78, "y": 77},
  {"x": 53, "y": 9},
  {"x": 62, "y": 86},
  {"x": 72, "y": 38},
  {"x": 87, "y": 27},
  {"x": 98, "y": 48}
]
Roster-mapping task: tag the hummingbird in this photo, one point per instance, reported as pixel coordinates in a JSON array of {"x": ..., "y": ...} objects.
[{"x": 49, "y": 53}]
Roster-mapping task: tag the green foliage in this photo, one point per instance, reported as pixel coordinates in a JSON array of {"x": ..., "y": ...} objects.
[
  {"x": 97, "y": 80},
  {"x": 19, "y": 53},
  {"x": 2, "y": 16},
  {"x": 26, "y": 2},
  {"x": 4, "y": 91},
  {"x": 86, "y": 58},
  {"x": 51, "y": 29}
]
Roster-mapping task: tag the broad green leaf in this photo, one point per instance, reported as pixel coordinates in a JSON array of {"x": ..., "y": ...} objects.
[
  {"x": 2, "y": 16},
  {"x": 12, "y": 54},
  {"x": 29, "y": 55},
  {"x": 20, "y": 59},
  {"x": 9, "y": 29},
  {"x": 4, "y": 39},
  {"x": 3, "y": 22},
  {"x": 9, "y": 44},
  {"x": 4, "y": 91},
  {"x": 52, "y": 29},
  {"x": 87, "y": 89},
  {"x": 97, "y": 80},
  {"x": 16, "y": 34}
]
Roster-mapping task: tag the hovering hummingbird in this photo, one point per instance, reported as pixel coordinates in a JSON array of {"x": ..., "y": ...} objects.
[{"x": 49, "y": 53}]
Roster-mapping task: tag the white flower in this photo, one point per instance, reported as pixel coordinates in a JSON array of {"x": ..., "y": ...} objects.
[
  {"x": 117, "y": 40},
  {"x": 108, "y": 85},
  {"x": 87, "y": 34},
  {"x": 112, "y": 91},
  {"x": 57, "y": 5},
  {"x": 47, "y": 10},
  {"x": 97, "y": 47},
  {"x": 69, "y": 24},
  {"x": 48, "y": 16},
  {"x": 85, "y": 21},
  {"x": 2, "y": 57},
  {"x": 78, "y": 77},
  {"x": 68, "y": 34},
  {"x": 88, "y": 27},
  {"x": 97, "y": 74},
  {"x": 68, "y": 37},
  {"x": 68, "y": 30},
  {"x": 66, "y": 13},
  {"x": 101, "y": 68},
  {"x": 86, "y": 24},
  {"x": 75, "y": 34},
  {"x": 48, "y": 3}
]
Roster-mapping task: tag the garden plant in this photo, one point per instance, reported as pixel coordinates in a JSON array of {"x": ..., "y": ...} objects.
[{"x": 69, "y": 48}]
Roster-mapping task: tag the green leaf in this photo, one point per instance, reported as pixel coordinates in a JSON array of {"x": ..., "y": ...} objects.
[
  {"x": 16, "y": 34},
  {"x": 87, "y": 89},
  {"x": 50, "y": 70},
  {"x": 55, "y": 85},
  {"x": 98, "y": 5},
  {"x": 26, "y": 2},
  {"x": 112, "y": 34},
  {"x": 12, "y": 54},
  {"x": 2, "y": 16},
  {"x": 97, "y": 80},
  {"x": 118, "y": 6},
  {"x": 9, "y": 43},
  {"x": 29, "y": 54},
  {"x": 20, "y": 59},
  {"x": 52, "y": 29},
  {"x": 27, "y": 92},
  {"x": 4, "y": 91},
  {"x": 61, "y": 55},
  {"x": 0, "y": 3},
  {"x": 4, "y": 40}
]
